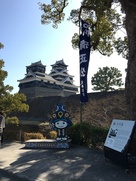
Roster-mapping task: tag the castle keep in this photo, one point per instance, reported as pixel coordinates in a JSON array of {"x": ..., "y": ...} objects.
[{"x": 37, "y": 83}]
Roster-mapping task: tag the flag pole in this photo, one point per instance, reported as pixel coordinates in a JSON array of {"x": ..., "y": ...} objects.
[{"x": 81, "y": 131}]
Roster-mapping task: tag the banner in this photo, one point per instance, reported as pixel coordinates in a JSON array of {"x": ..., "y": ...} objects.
[{"x": 84, "y": 54}]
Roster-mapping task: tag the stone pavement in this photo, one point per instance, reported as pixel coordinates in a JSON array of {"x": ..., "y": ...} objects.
[{"x": 76, "y": 163}]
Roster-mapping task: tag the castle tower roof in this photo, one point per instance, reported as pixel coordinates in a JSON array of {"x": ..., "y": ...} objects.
[
  {"x": 36, "y": 67},
  {"x": 59, "y": 72},
  {"x": 38, "y": 83},
  {"x": 59, "y": 63}
]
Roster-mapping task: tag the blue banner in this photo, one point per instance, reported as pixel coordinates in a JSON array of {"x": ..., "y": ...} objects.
[{"x": 84, "y": 54}]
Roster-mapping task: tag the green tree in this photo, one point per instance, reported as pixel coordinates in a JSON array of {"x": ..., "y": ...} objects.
[
  {"x": 10, "y": 103},
  {"x": 104, "y": 23},
  {"x": 1, "y": 45},
  {"x": 107, "y": 78}
]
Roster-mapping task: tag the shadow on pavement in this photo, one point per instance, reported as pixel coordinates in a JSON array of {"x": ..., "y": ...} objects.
[{"x": 75, "y": 163}]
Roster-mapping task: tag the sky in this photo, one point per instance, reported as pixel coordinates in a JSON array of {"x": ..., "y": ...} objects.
[{"x": 27, "y": 41}]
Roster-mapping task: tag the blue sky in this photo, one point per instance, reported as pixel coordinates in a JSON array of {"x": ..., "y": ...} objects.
[{"x": 26, "y": 41}]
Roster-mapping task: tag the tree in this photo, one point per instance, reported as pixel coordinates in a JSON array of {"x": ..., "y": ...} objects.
[
  {"x": 104, "y": 16},
  {"x": 1, "y": 45},
  {"x": 104, "y": 23},
  {"x": 107, "y": 79},
  {"x": 10, "y": 103}
]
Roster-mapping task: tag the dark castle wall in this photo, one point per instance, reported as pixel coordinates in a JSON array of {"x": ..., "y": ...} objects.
[
  {"x": 33, "y": 92},
  {"x": 101, "y": 108}
]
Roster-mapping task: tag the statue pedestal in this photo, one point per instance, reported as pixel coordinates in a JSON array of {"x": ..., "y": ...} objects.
[{"x": 47, "y": 143}]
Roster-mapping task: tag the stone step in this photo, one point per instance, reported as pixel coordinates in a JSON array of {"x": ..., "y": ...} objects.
[{"x": 47, "y": 143}]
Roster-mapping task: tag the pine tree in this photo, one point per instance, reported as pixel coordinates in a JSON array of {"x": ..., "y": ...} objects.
[
  {"x": 107, "y": 78},
  {"x": 10, "y": 103}
]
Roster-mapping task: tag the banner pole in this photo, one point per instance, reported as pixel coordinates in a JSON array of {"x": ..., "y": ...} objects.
[
  {"x": 81, "y": 130},
  {"x": 79, "y": 73}
]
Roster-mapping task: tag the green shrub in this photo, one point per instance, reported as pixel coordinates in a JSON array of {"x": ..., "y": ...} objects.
[
  {"x": 74, "y": 133},
  {"x": 90, "y": 136},
  {"x": 98, "y": 136},
  {"x": 27, "y": 136},
  {"x": 12, "y": 120},
  {"x": 11, "y": 135}
]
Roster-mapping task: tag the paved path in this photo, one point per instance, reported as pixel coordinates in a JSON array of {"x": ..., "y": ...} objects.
[{"x": 76, "y": 163}]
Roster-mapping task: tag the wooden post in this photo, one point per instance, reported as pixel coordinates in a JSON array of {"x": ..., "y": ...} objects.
[{"x": 20, "y": 135}]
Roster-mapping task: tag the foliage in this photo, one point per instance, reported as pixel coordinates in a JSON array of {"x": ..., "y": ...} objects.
[
  {"x": 3, "y": 74},
  {"x": 11, "y": 135},
  {"x": 12, "y": 120},
  {"x": 92, "y": 136},
  {"x": 105, "y": 22},
  {"x": 53, "y": 134},
  {"x": 13, "y": 103},
  {"x": 106, "y": 79},
  {"x": 18, "y": 135},
  {"x": 53, "y": 12},
  {"x": 106, "y": 19},
  {"x": 121, "y": 45},
  {"x": 98, "y": 136},
  {"x": 1, "y": 45},
  {"x": 27, "y": 136},
  {"x": 10, "y": 103}
]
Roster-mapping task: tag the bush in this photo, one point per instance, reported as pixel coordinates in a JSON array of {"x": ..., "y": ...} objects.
[
  {"x": 12, "y": 120},
  {"x": 11, "y": 135},
  {"x": 45, "y": 130},
  {"x": 27, "y": 136},
  {"x": 52, "y": 134},
  {"x": 91, "y": 136},
  {"x": 98, "y": 136}
]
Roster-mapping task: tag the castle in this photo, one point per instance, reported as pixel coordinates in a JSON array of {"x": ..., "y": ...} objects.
[{"x": 37, "y": 83}]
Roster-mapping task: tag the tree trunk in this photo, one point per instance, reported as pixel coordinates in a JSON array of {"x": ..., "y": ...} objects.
[{"x": 130, "y": 85}]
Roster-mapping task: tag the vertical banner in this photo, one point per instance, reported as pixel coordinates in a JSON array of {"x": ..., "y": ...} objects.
[{"x": 84, "y": 54}]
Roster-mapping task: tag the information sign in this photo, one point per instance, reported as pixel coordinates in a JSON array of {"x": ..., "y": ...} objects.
[{"x": 119, "y": 134}]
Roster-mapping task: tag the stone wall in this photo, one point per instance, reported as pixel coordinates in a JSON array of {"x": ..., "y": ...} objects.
[{"x": 101, "y": 108}]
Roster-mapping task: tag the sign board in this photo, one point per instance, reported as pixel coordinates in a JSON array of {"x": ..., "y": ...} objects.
[
  {"x": 119, "y": 134},
  {"x": 47, "y": 143}
]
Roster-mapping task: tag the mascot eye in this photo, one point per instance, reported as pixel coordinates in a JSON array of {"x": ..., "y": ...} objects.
[
  {"x": 66, "y": 114},
  {"x": 54, "y": 115}
]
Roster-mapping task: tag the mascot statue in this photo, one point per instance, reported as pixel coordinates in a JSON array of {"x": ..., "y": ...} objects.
[{"x": 60, "y": 122}]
